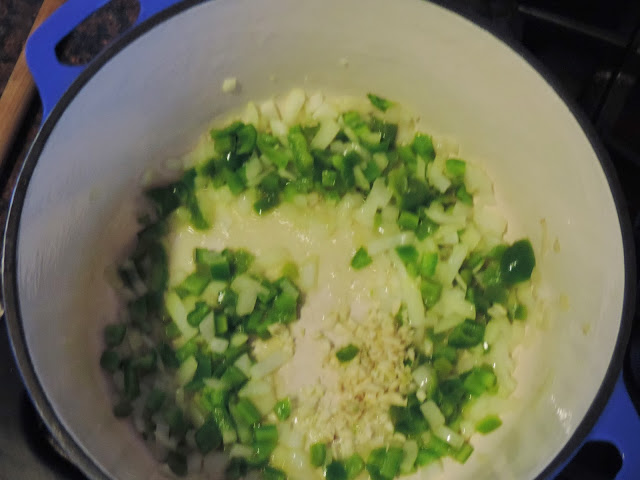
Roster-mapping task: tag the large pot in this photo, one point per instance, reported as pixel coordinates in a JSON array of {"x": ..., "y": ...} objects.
[{"x": 155, "y": 89}]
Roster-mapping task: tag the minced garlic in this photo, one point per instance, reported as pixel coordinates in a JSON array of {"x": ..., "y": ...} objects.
[{"x": 352, "y": 414}]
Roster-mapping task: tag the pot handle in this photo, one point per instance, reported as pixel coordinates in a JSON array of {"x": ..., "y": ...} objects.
[
  {"x": 51, "y": 77},
  {"x": 619, "y": 424}
]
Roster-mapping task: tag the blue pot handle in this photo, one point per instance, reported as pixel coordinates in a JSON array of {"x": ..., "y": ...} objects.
[
  {"x": 619, "y": 425},
  {"x": 51, "y": 77}
]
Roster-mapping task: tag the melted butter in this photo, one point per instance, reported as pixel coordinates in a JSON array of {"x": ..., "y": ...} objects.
[{"x": 290, "y": 232}]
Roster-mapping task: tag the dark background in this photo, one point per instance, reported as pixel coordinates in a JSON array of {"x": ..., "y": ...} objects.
[{"x": 591, "y": 48}]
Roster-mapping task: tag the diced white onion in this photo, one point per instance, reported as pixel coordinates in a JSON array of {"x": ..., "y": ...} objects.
[
  {"x": 427, "y": 346},
  {"x": 433, "y": 414},
  {"x": 218, "y": 345},
  {"x": 269, "y": 364},
  {"x": 247, "y": 289},
  {"x": 229, "y": 85},
  {"x": 162, "y": 436},
  {"x": 489, "y": 221},
  {"x": 207, "y": 328},
  {"x": 447, "y": 270},
  {"x": 477, "y": 181},
  {"x": 292, "y": 106},
  {"x": 251, "y": 115},
  {"x": 279, "y": 129},
  {"x": 244, "y": 364},
  {"x": 215, "y": 383},
  {"x": 269, "y": 111},
  {"x": 378, "y": 197},
  {"x": 197, "y": 417},
  {"x": 326, "y": 133},
  {"x": 425, "y": 377},
  {"x": 309, "y": 274},
  {"x": 446, "y": 235},
  {"x": 239, "y": 338},
  {"x": 178, "y": 314},
  {"x": 389, "y": 242},
  {"x": 290, "y": 436},
  {"x": 389, "y": 215},
  {"x": 314, "y": 102},
  {"x": 325, "y": 112},
  {"x": 453, "y": 309},
  {"x": 452, "y": 438},
  {"x": 186, "y": 371},
  {"x": 413, "y": 300},
  {"x": 470, "y": 237},
  {"x": 497, "y": 310},
  {"x": 204, "y": 151},
  {"x": 436, "y": 176},
  {"x": 240, "y": 451},
  {"x": 293, "y": 461},
  {"x": 410, "y": 449},
  {"x": 436, "y": 212},
  {"x": 381, "y": 160},
  {"x": 253, "y": 171}
]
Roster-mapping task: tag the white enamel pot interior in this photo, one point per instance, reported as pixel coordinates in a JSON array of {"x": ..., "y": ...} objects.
[{"x": 150, "y": 99}]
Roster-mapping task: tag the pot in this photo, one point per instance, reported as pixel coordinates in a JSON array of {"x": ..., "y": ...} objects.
[{"x": 150, "y": 94}]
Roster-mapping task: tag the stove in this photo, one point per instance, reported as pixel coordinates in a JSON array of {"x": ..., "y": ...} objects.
[{"x": 590, "y": 47}]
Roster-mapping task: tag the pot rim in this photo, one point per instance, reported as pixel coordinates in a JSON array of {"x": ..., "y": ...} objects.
[{"x": 83, "y": 459}]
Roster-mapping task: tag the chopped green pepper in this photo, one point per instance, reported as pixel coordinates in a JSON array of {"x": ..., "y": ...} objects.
[
  {"x": 361, "y": 259},
  {"x": 317, "y": 453},
  {"x": 380, "y": 103},
  {"x": 517, "y": 262},
  {"x": 348, "y": 353}
]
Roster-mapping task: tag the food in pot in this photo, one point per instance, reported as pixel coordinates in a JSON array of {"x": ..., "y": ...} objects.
[{"x": 324, "y": 291}]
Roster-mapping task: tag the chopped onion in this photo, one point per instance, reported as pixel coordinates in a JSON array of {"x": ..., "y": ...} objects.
[
  {"x": 413, "y": 300},
  {"x": 410, "y": 449},
  {"x": 247, "y": 289},
  {"x": 446, "y": 271},
  {"x": 326, "y": 133},
  {"x": 269, "y": 111},
  {"x": 453, "y": 309},
  {"x": 309, "y": 274},
  {"x": 433, "y": 414},
  {"x": 325, "y": 112},
  {"x": 425, "y": 377},
  {"x": 279, "y": 129},
  {"x": 178, "y": 314},
  {"x": 251, "y": 115},
  {"x": 378, "y": 197},
  {"x": 206, "y": 327},
  {"x": 457, "y": 219},
  {"x": 254, "y": 171},
  {"x": 218, "y": 345},
  {"x": 452, "y": 438},
  {"x": 389, "y": 242},
  {"x": 313, "y": 103},
  {"x": 186, "y": 371},
  {"x": 239, "y": 450},
  {"x": 162, "y": 436},
  {"x": 447, "y": 235},
  {"x": 436, "y": 176},
  {"x": 269, "y": 364},
  {"x": 244, "y": 364},
  {"x": 292, "y": 106},
  {"x": 489, "y": 221}
]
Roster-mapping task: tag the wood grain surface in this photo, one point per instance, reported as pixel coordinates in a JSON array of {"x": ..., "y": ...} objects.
[{"x": 18, "y": 92}]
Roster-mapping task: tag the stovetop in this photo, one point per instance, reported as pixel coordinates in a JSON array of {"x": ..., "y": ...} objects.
[{"x": 591, "y": 47}]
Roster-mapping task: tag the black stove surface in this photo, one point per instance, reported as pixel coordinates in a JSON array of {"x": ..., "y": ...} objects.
[{"x": 592, "y": 48}]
